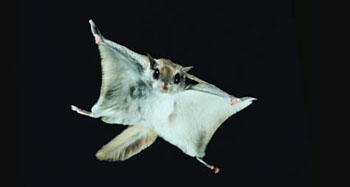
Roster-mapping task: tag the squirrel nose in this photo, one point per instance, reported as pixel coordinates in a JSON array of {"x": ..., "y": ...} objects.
[{"x": 165, "y": 87}]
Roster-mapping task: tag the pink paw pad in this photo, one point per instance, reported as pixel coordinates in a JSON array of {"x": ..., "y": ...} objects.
[
  {"x": 98, "y": 40},
  {"x": 233, "y": 101},
  {"x": 215, "y": 169}
]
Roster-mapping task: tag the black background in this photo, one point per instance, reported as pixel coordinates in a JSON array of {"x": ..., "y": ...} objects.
[{"x": 249, "y": 48}]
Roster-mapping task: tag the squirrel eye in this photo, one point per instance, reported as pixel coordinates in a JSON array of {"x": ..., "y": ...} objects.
[
  {"x": 156, "y": 74},
  {"x": 177, "y": 78}
]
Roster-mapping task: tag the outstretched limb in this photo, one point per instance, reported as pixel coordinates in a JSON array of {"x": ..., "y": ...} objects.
[
  {"x": 119, "y": 49},
  {"x": 215, "y": 169},
  {"x": 82, "y": 112},
  {"x": 95, "y": 32}
]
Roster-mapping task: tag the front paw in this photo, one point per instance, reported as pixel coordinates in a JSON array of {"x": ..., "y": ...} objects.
[
  {"x": 98, "y": 39},
  {"x": 233, "y": 101}
]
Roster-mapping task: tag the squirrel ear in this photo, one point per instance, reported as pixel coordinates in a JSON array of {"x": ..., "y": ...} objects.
[
  {"x": 186, "y": 69},
  {"x": 151, "y": 60}
]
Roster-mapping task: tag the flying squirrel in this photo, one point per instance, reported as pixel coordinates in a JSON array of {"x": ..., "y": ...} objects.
[{"x": 156, "y": 97}]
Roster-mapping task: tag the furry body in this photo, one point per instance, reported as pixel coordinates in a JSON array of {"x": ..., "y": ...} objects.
[{"x": 156, "y": 97}]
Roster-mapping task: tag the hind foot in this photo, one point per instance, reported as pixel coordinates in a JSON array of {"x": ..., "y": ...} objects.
[{"x": 81, "y": 111}]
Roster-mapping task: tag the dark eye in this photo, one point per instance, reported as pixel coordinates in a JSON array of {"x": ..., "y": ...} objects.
[
  {"x": 177, "y": 78},
  {"x": 156, "y": 74}
]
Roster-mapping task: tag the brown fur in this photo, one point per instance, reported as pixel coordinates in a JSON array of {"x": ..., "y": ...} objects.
[
  {"x": 168, "y": 70},
  {"x": 168, "y": 62},
  {"x": 166, "y": 74}
]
